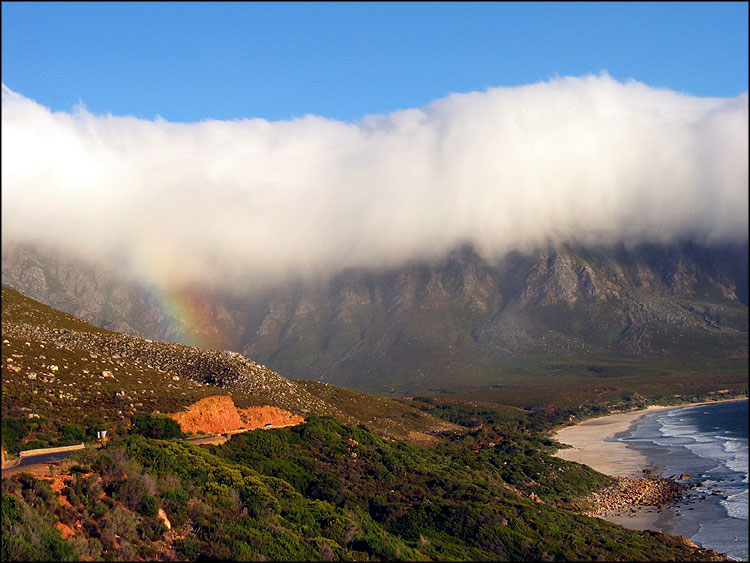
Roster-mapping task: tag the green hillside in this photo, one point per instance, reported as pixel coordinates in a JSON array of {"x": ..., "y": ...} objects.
[{"x": 321, "y": 491}]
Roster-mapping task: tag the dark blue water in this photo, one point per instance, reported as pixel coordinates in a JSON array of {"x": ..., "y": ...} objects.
[{"x": 710, "y": 444}]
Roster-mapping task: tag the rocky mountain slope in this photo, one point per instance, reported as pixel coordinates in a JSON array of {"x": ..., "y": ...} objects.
[
  {"x": 462, "y": 320},
  {"x": 65, "y": 371}
]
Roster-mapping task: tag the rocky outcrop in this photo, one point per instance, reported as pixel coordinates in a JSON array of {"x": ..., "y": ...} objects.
[
  {"x": 636, "y": 491},
  {"x": 219, "y": 414},
  {"x": 212, "y": 415},
  {"x": 161, "y": 515}
]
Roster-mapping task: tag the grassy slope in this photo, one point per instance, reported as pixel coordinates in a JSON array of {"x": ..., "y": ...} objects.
[
  {"x": 562, "y": 388},
  {"x": 390, "y": 416},
  {"x": 76, "y": 391}
]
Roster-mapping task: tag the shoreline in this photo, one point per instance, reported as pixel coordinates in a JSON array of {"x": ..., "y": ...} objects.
[{"x": 618, "y": 459}]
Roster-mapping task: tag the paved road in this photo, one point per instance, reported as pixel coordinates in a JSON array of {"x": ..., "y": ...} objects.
[
  {"x": 48, "y": 458},
  {"x": 36, "y": 460}
]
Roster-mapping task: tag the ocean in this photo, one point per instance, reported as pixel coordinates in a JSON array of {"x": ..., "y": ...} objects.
[{"x": 709, "y": 443}]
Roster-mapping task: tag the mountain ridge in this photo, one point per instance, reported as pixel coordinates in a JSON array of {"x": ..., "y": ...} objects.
[{"x": 417, "y": 327}]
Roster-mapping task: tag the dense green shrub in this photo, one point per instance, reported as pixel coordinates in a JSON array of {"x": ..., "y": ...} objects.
[
  {"x": 187, "y": 547},
  {"x": 174, "y": 503},
  {"x": 156, "y": 426},
  {"x": 324, "y": 490},
  {"x": 72, "y": 433},
  {"x": 93, "y": 426},
  {"x": 13, "y": 431},
  {"x": 26, "y": 536},
  {"x": 120, "y": 523}
]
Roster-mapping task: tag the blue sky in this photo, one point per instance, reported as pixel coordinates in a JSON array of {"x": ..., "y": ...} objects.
[
  {"x": 563, "y": 152},
  {"x": 195, "y": 61}
]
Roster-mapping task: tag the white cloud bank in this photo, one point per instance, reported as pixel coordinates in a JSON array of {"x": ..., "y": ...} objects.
[{"x": 588, "y": 159}]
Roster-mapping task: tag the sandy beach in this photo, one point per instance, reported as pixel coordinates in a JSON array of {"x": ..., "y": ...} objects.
[
  {"x": 611, "y": 458},
  {"x": 615, "y": 458}
]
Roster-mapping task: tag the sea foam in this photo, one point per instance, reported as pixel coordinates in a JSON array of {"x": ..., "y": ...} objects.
[
  {"x": 709, "y": 443},
  {"x": 736, "y": 505}
]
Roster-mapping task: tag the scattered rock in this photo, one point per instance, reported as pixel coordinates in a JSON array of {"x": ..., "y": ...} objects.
[
  {"x": 161, "y": 515},
  {"x": 194, "y": 366}
]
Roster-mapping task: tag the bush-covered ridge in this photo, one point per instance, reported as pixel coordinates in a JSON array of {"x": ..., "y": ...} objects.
[{"x": 319, "y": 491}]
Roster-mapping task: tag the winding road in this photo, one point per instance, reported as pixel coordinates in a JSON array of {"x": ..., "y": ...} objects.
[{"x": 40, "y": 459}]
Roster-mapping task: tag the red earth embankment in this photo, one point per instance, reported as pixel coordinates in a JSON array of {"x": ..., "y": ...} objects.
[{"x": 219, "y": 414}]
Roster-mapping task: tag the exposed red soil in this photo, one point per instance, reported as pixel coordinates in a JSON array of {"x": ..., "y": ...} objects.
[
  {"x": 259, "y": 417},
  {"x": 219, "y": 414},
  {"x": 65, "y": 530},
  {"x": 57, "y": 483}
]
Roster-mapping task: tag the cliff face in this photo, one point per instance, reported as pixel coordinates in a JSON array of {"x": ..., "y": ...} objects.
[{"x": 219, "y": 414}]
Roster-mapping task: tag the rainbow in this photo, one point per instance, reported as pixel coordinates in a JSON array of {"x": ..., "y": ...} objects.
[
  {"x": 191, "y": 317},
  {"x": 188, "y": 310}
]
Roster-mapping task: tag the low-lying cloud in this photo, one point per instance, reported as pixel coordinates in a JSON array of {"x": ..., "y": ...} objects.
[{"x": 585, "y": 159}]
